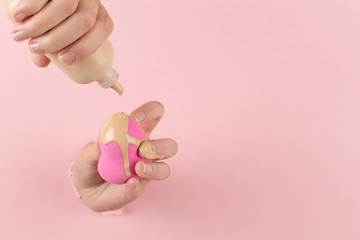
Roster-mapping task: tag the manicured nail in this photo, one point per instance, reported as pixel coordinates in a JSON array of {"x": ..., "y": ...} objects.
[
  {"x": 68, "y": 58},
  {"x": 139, "y": 116},
  {"x": 19, "y": 17},
  {"x": 19, "y": 36},
  {"x": 146, "y": 168},
  {"x": 36, "y": 48}
]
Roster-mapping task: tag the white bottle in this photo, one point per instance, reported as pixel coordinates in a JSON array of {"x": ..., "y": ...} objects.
[{"x": 96, "y": 67}]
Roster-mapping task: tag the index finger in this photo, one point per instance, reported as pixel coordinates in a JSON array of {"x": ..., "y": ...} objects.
[
  {"x": 22, "y": 9},
  {"x": 148, "y": 116}
]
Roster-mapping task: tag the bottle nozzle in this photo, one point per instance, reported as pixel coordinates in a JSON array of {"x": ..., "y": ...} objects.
[
  {"x": 118, "y": 88},
  {"x": 109, "y": 80}
]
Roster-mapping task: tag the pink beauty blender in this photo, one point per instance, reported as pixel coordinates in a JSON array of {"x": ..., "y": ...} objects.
[{"x": 119, "y": 141}]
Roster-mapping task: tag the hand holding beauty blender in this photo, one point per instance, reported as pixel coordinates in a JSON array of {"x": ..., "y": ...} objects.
[{"x": 125, "y": 176}]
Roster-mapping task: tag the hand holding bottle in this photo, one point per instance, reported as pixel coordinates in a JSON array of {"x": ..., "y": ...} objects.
[
  {"x": 71, "y": 33},
  {"x": 73, "y": 28}
]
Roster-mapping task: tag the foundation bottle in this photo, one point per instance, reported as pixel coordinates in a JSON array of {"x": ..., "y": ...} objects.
[{"x": 96, "y": 67}]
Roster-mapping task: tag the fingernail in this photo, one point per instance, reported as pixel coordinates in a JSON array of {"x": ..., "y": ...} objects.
[
  {"x": 152, "y": 147},
  {"x": 19, "y": 17},
  {"x": 36, "y": 48},
  {"x": 146, "y": 168},
  {"x": 68, "y": 58},
  {"x": 19, "y": 36},
  {"x": 139, "y": 116},
  {"x": 147, "y": 150}
]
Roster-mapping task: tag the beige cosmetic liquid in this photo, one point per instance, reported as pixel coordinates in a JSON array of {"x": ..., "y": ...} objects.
[
  {"x": 96, "y": 67},
  {"x": 116, "y": 130}
]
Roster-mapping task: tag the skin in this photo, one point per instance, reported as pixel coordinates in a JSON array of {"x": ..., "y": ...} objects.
[
  {"x": 102, "y": 196},
  {"x": 76, "y": 28}
]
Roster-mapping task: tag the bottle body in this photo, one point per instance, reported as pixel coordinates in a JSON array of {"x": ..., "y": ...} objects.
[
  {"x": 96, "y": 67},
  {"x": 89, "y": 69}
]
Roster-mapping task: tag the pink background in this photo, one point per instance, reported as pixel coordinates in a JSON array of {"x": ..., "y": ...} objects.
[{"x": 261, "y": 95}]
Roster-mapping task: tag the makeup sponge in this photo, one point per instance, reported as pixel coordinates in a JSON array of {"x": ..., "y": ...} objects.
[{"x": 119, "y": 141}]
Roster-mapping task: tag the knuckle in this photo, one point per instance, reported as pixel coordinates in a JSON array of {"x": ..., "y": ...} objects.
[
  {"x": 95, "y": 207},
  {"x": 27, "y": 6},
  {"x": 88, "y": 20},
  {"x": 69, "y": 6},
  {"x": 51, "y": 45},
  {"x": 34, "y": 29},
  {"x": 108, "y": 24}
]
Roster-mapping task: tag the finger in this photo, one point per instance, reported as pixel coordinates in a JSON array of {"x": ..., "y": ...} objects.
[
  {"x": 23, "y": 9},
  {"x": 40, "y": 60},
  {"x": 152, "y": 171},
  {"x": 109, "y": 197},
  {"x": 89, "y": 154},
  {"x": 158, "y": 149},
  {"x": 85, "y": 173},
  {"x": 89, "y": 42},
  {"x": 68, "y": 31},
  {"x": 50, "y": 16},
  {"x": 134, "y": 188},
  {"x": 148, "y": 116}
]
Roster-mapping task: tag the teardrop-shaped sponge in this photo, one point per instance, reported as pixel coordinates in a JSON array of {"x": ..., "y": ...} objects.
[{"x": 119, "y": 141}]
